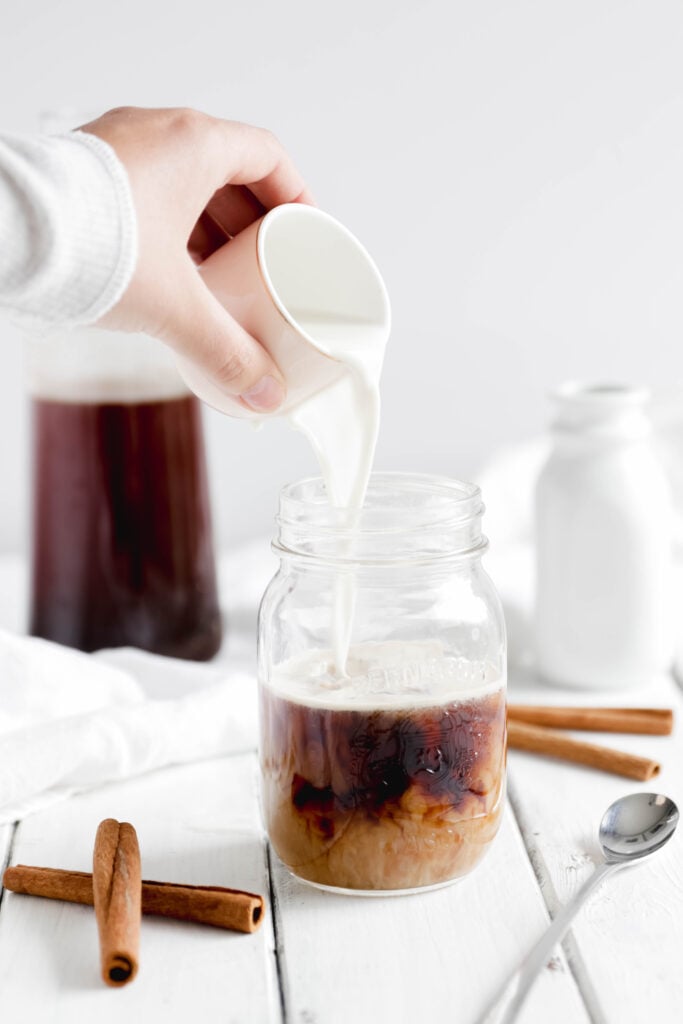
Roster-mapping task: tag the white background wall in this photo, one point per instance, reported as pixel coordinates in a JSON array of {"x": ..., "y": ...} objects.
[{"x": 514, "y": 166}]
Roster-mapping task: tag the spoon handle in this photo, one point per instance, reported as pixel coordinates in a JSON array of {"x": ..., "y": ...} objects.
[{"x": 504, "y": 1008}]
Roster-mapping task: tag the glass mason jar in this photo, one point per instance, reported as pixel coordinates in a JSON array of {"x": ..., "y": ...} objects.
[
  {"x": 122, "y": 549},
  {"x": 382, "y": 674}
]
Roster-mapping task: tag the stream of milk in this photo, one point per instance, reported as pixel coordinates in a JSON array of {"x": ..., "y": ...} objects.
[{"x": 342, "y": 424}]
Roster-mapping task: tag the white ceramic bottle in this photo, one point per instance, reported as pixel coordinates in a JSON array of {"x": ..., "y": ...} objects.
[{"x": 603, "y": 533}]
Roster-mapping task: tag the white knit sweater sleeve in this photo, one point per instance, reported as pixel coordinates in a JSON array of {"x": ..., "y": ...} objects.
[{"x": 68, "y": 232}]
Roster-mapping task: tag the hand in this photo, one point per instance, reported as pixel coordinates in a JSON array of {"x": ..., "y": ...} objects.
[{"x": 197, "y": 181}]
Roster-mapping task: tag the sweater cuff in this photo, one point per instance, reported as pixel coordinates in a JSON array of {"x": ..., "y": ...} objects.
[
  {"x": 73, "y": 229},
  {"x": 107, "y": 229}
]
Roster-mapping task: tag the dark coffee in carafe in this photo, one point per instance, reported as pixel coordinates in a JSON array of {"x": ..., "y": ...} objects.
[{"x": 122, "y": 548}]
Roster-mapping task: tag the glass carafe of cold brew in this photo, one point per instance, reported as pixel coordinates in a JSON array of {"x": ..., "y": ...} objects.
[{"x": 122, "y": 550}]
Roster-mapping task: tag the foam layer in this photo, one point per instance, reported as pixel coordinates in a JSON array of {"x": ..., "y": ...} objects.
[{"x": 391, "y": 675}]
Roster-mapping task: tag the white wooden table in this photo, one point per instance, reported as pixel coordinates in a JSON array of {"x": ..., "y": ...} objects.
[{"x": 325, "y": 959}]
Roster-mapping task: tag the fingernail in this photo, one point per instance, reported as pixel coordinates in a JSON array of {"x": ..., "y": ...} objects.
[{"x": 265, "y": 396}]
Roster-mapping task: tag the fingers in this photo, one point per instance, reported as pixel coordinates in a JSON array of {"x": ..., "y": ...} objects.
[
  {"x": 235, "y": 207},
  {"x": 276, "y": 188},
  {"x": 230, "y": 210},
  {"x": 198, "y": 327},
  {"x": 257, "y": 159},
  {"x": 206, "y": 237}
]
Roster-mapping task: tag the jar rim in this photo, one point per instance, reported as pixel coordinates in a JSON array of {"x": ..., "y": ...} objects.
[{"x": 406, "y": 517}]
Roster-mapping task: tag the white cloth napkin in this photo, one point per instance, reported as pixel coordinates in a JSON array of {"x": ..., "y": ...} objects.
[{"x": 70, "y": 721}]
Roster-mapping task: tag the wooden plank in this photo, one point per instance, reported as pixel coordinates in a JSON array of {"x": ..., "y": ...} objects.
[
  {"x": 625, "y": 947},
  {"x": 6, "y": 833},
  {"x": 5, "y": 839},
  {"x": 196, "y": 824},
  {"x": 436, "y": 956}
]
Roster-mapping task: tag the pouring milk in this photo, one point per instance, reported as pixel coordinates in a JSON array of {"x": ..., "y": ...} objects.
[
  {"x": 302, "y": 284},
  {"x": 342, "y": 424},
  {"x": 342, "y": 421}
]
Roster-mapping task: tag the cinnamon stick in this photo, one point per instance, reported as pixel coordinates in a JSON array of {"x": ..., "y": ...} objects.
[
  {"x": 647, "y": 721},
  {"x": 204, "y": 904},
  {"x": 116, "y": 888},
  {"x": 540, "y": 740}
]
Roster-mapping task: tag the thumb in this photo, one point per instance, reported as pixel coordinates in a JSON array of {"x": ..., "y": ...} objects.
[{"x": 198, "y": 327}]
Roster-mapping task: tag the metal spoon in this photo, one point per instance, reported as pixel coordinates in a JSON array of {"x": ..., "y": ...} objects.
[{"x": 631, "y": 828}]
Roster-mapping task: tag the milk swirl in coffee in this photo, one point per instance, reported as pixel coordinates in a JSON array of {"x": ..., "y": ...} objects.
[{"x": 389, "y": 779}]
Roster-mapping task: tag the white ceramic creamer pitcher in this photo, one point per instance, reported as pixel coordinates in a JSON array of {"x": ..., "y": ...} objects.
[{"x": 301, "y": 284}]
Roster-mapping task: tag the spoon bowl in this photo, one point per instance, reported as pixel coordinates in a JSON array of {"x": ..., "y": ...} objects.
[{"x": 637, "y": 825}]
